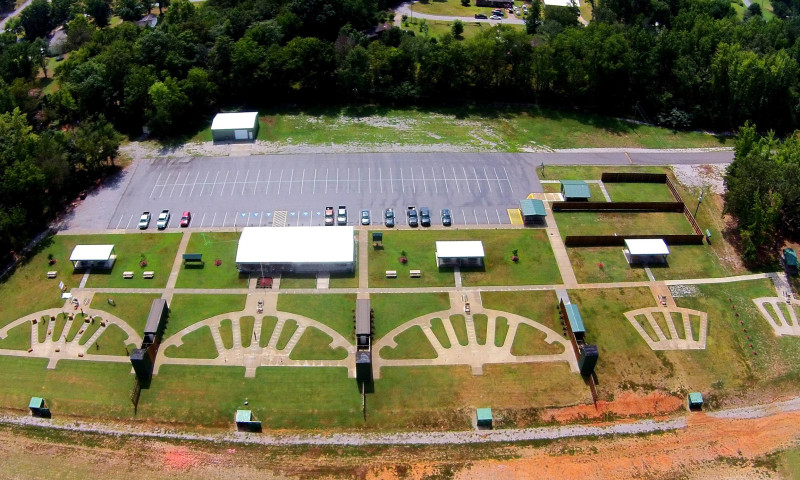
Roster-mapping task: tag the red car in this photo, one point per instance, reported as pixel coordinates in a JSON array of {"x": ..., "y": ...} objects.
[{"x": 186, "y": 218}]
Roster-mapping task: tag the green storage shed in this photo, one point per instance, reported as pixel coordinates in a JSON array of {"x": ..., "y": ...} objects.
[
  {"x": 573, "y": 190},
  {"x": 484, "y": 417},
  {"x": 235, "y": 127},
  {"x": 532, "y": 210}
]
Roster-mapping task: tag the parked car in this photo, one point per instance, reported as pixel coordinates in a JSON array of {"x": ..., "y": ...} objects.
[
  {"x": 328, "y": 216},
  {"x": 498, "y": 12},
  {"x": 388, "y": 217},
  {"x": 341, "y": 217},
  {"x": 447, "y": 219},
  {"x": 413, "y": 219},
  {"x": 525, "y": 9},
  {"x": 495, "y": 17},
  {"x": 425, "y": 216},
  {"x": 364, "y": 217},
  {"x": 163, "y": 220},
  {"x": 144, "y": 221},
  {"x": 186, "y": 219},
  {"x": 481, "y": 15}
]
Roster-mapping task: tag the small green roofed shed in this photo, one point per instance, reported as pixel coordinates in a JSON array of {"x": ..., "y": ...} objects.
[
  {"x": 575, "y": 320},
  {"x": 484, "y": 417},
  {"x": 790, "y": 259},
  {"x": 695, "y": 401},
  {"x": 246, "y": 422},
  {"x": 575, "y": 190},
  {"x": 38, "y": 407},
  {"x": 532, "y": 211}
]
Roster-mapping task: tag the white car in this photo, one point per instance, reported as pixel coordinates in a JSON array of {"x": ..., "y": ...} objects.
[
  {"x": 144, "y": 221},
  {"x": 495, "y": 17},
  {"x": 163, "y": 220},
  {"x": 341, "y": 215}
]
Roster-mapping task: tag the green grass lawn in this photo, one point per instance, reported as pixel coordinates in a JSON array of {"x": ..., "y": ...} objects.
[
  {"x": 187, "y": 309},
  {"x": 19, "y": 337},
  {"x": 196, "y": 344},
  {"x": 459, "y": 324},
  {"x": 639, "y": 192},
  {"x": 335, "y": 311},
  {"x": 589, "y": 172},
  {"x": 537, "y": 264},
  {"x": 42, "y": 330},
  {"x": 159, "y": 250},
  {"x": 440, "y": 28},
  {"x": 289, "y": 327},
  {"x": 603, "y": 265},
  {"x": 500, "y": 331},
  {"x": 58, "y": 329},
  {"x": 213, "y": 246},
  {"x": 437, "y": 327},
  {"x": 89, "y": 331},
  {"x": 481, "y": 323},
  {"x": 647, "y": 223},
  {"x": 538, "y": 306},
  {"x": 246, "y": 325},
  {"x": 75, "y": 326},
  {"x": 392, "y": 310},
  {"x": 226, "y": 333},
  {"x": 314, "y": 344},
  {"x": 132, "y": 308},
  {"x": 267, "y": 328},
  {"x": 690, "y": 261},
  {"x": 530, "y": 341},
  {"x": 112, "y": 342},
  {"x": 411, "y": 343},
  {"x": 298, "y": 280},
  {"x": 510, "y": 129},
  {"x": 344, "y": 280}
]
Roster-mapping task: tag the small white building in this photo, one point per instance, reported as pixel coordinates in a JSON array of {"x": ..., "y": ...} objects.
[
  {"x": 459, "y": 253},
  {"x": 645, "y": 250},
  {"x": 93, "y": 256},
  {"x": 264, "y": 250},
  {"x": 239, "y": 126},
  {"x": 562, "y": 3}
]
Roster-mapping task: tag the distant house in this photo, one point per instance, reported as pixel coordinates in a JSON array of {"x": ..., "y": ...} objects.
[
  {"x": 148, "y": 20},
  {"x": 573, "y": 190},
  {"x": 240, "y": 126}
]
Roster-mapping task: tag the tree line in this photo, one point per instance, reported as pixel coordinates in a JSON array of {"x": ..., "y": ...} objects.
[{"x": 679, "y": 63}]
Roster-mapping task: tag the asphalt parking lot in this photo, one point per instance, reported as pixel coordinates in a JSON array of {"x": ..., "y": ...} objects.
[{"x": 294, "y": 190}]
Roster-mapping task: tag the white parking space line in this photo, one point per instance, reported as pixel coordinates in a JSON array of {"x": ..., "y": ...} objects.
[
  {"x": 171, "y": 192},
  {"x": 369, "y": 178},
  {"x": 255, "y": 186},
  {"x": 194, "y": 184},
  {"x": 463, "y": 214},
  {"x": 291, "y": 180},
  {"x": 475, "y": 172},
  {"x": 184, "y": 184},
  {"x": 314, "y": 189},
  {"x": 488, "y": 183},
  {"x": 380, "y": 178},
  {"x": 498, "y": 216},
  {"x": 456, "y": 180},
  {"x": 204, "y": 185},
  {"x": 213, "y": 219},
  {"x": 402, "y": 180},
  {"x": 476, "y": 216},
  {"x": 444, "y": 177},
  {"x": 203, "y": 220},
  {"x": 509, "y": 181},
  {"x": 423, "y": 180},
  {"x": 235, "y": 181},
  {"x": 155, "y": 186},
  {"x": 244, "y": 184},
  {"x": 280, "y": 182},
  {"x": 235, "y": 218},
  {"x": 433, "y": 172},
  {"x": 326, "y": 180},
  {"x": 164, "y": 187},
  {"x": 499, "y": 185},
  {"x": 348, "y": 180},
  {"x": 302, "y": 181},
  {"x": 120, "y": 220},
  {"x": 487, "y": 216},
  {"x": 260, "y": 218},
  {"x": 391, "y": 183},
  {"x": 269, "y": 178},
  {"x": 466, "y": 180},
  {"x": 359, "y": 180},
  {"x": 227, "y": 172},
  {"x": 129, "y": 222},
  {"x": 214, "y": 185},
  {"x": 337, "y": 179},
  {"x": 225, "y": 218}
]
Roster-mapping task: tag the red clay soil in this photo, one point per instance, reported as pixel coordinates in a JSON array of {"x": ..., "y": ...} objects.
[{"x": 624, "y": 405}]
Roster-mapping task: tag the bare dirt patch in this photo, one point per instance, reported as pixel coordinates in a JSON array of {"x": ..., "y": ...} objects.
[
  {"x": 702, "y": 176},
  {"x": 625, "y": 405}
]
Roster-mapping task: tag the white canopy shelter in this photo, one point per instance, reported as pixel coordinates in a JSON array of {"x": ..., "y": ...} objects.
[
  {"x": 466, "y": 252},
  {"x": 93, "y": 256},
  {"x": 645, "y": 250},
  {"x": 300, "y": 249}
]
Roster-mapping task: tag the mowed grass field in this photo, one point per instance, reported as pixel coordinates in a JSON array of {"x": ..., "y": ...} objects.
[
  {"x": 478, "y": 128},
  {"x": 335, "y": 311},
  {"x": 213, "y": 246},
  {"x": 628, "y": 223}
]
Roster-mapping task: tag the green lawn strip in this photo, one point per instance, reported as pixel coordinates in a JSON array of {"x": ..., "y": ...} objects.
[
  {"x": 280, "y": 397},
  {"x": 628, "y": 223},
  {"x": 785, "y": 311},
  {"x": 226, "y": 333},
  {"x": 159, "y": 250},
  {"x": 690, "y": 261},
  {"x": 596, "y": 193},
  {"x": 589, "y": 172},
  {"x": 343, "y": 280},
  {"x": 96, "y": 389},
  {"x": 540, "y": 306},
  {"x": 132, "y": 308},
  {"x": 314, "y": 344},
  {"x": 75, "y": 327},
  {"x": 677, "y": 320},
  {"x": 694, "y": 322},
  {"x": 18, "y": 338},
  {"x": 536, "y": 265},
  {"x": 444, "y": 397},
  {"x": 530, "y": 341},
  {"x": 551, "y": 187},
  {"x": 298, "y": 280},
  {"x": 603, "y": 265},
  {"x": 267, "y": 327},
  {"x": 58, "y": 329},
  {"x": 246, "y": 325},
  {"x": 91, "y": 328},
  {"x": 452, "y": 8},
  {"x": 419, "y": 247},
  {"x": 459, "y": 324},
  {"x": 392, "y": 310},
  {"x": 335, "y": 311},
  {"x": 111, "y": 342},
  {"x": 411, "y": 343},
  {"x": 213, "y": 246},
  {"x": 439, "y": 28},
  {"x": 771, "y": 311},
  {"x": 661, "y": 321},
  {"x": 289, "y": 327},
  {"x": 437, "y": 327},
  {"x": 500, "y": 331},
  {"x": 196, "y": 344},
  {"x": 639, "y": 192},
  {"x": 44, "y": 323},
  {"x": 789, "y": 463},
  {"x": 28, "y": 289},
  {"x": 648, "y": 329},
  {"x": 188, "y": 309},
  {"x": 481, "y": 323}
]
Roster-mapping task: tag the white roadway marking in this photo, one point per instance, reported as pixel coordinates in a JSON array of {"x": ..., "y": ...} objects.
[
  {"x": 291, "y": 179},
  {"x": 380, "y": 178},
  {"x": 156, "y": 185},
  {"x": 129, "y": 222},
  {"x": 509, "y": 181},
  {"x": 225, "y": 218},
  {"x": 268, "y": 180},
  {"x": 314, "y": 190},
  {"x": 235, "y": 181},
  {"x": 194, "y": 184},
  {"x": 402, "y": 181},
  {"x": 213, "y": 219},
  {"x": 487, "y": 216},
  {"x": 348, "y": 180},
  {"x": 235, "y": 218},
  {"x": 260, "y": 218},
  {"x": 164, "y": 187},
  {"x": 326, "y": 180},
  {"x": 359, "y": 180},
  {"x": 337, "y": 179},
  {"x": 456, "y": 180},
  {"x": 391, "y": 180},
  {"x": 203, "y": 221},
  {"x": 255, "y": 187},
  {"x": 487, "y": 179},
  {"x": 171, "y": 192},
  {"x": 466, "y": 180},
  {"x": 476, "y": 216},
  {"x": 280, "y": 182},
  {"x": 444, "y": 177},
  {"x": 424, "y": 185},
  {"x": 433, "y": 172},
  {"x": 246, "y": 176},
  {"x": 500, "y": 186},
  {"x": 184, "y": 184},
  {"x": 413, "y": 185},
  {"x": 369, "y": 177},
  {"x": 498, "y": 216},
  {"x": 120, "y": 220},
  {"x": 302, "y": 181},
  {"x": 214, "y": 185},
  {"x": 477, "y": 181},
  {"x": 464, "y": 215},
  {"x": 204, "y": 184},
  {"x": 227, "y": 172}
]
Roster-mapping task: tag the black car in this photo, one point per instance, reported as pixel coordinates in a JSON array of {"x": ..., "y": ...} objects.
[
  {"x": 425, "y": 216},
  {"x": 388, "y": 217},
  {"x": 480, "y": 15},
  {"x": 413, "y": 220},
  {"x": 447, "y": 220}
]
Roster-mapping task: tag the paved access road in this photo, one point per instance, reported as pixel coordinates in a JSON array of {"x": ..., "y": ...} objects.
[{"x": 249, "y": 190}]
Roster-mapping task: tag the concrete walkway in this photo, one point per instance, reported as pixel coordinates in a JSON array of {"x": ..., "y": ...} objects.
[
  {"x": 670, "y": 340},
  {"x": 559, "y": 249}
]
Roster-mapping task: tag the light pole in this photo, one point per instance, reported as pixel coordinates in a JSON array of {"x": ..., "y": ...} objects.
[{"x": 699, "y": 201}]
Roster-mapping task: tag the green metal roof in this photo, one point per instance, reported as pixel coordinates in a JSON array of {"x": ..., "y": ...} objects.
[
  {"x": 531, "y": 206},
  {"x": 575, "y": 319},
  {"x": 575, "y": 189},
  {"x": 484, "y": 414},
  {"x": 696, "y": 398},
  {"x": 36, "y": 402},
  {"x": 244, "y": 415},
  {"x": 790, "y": 257}
]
